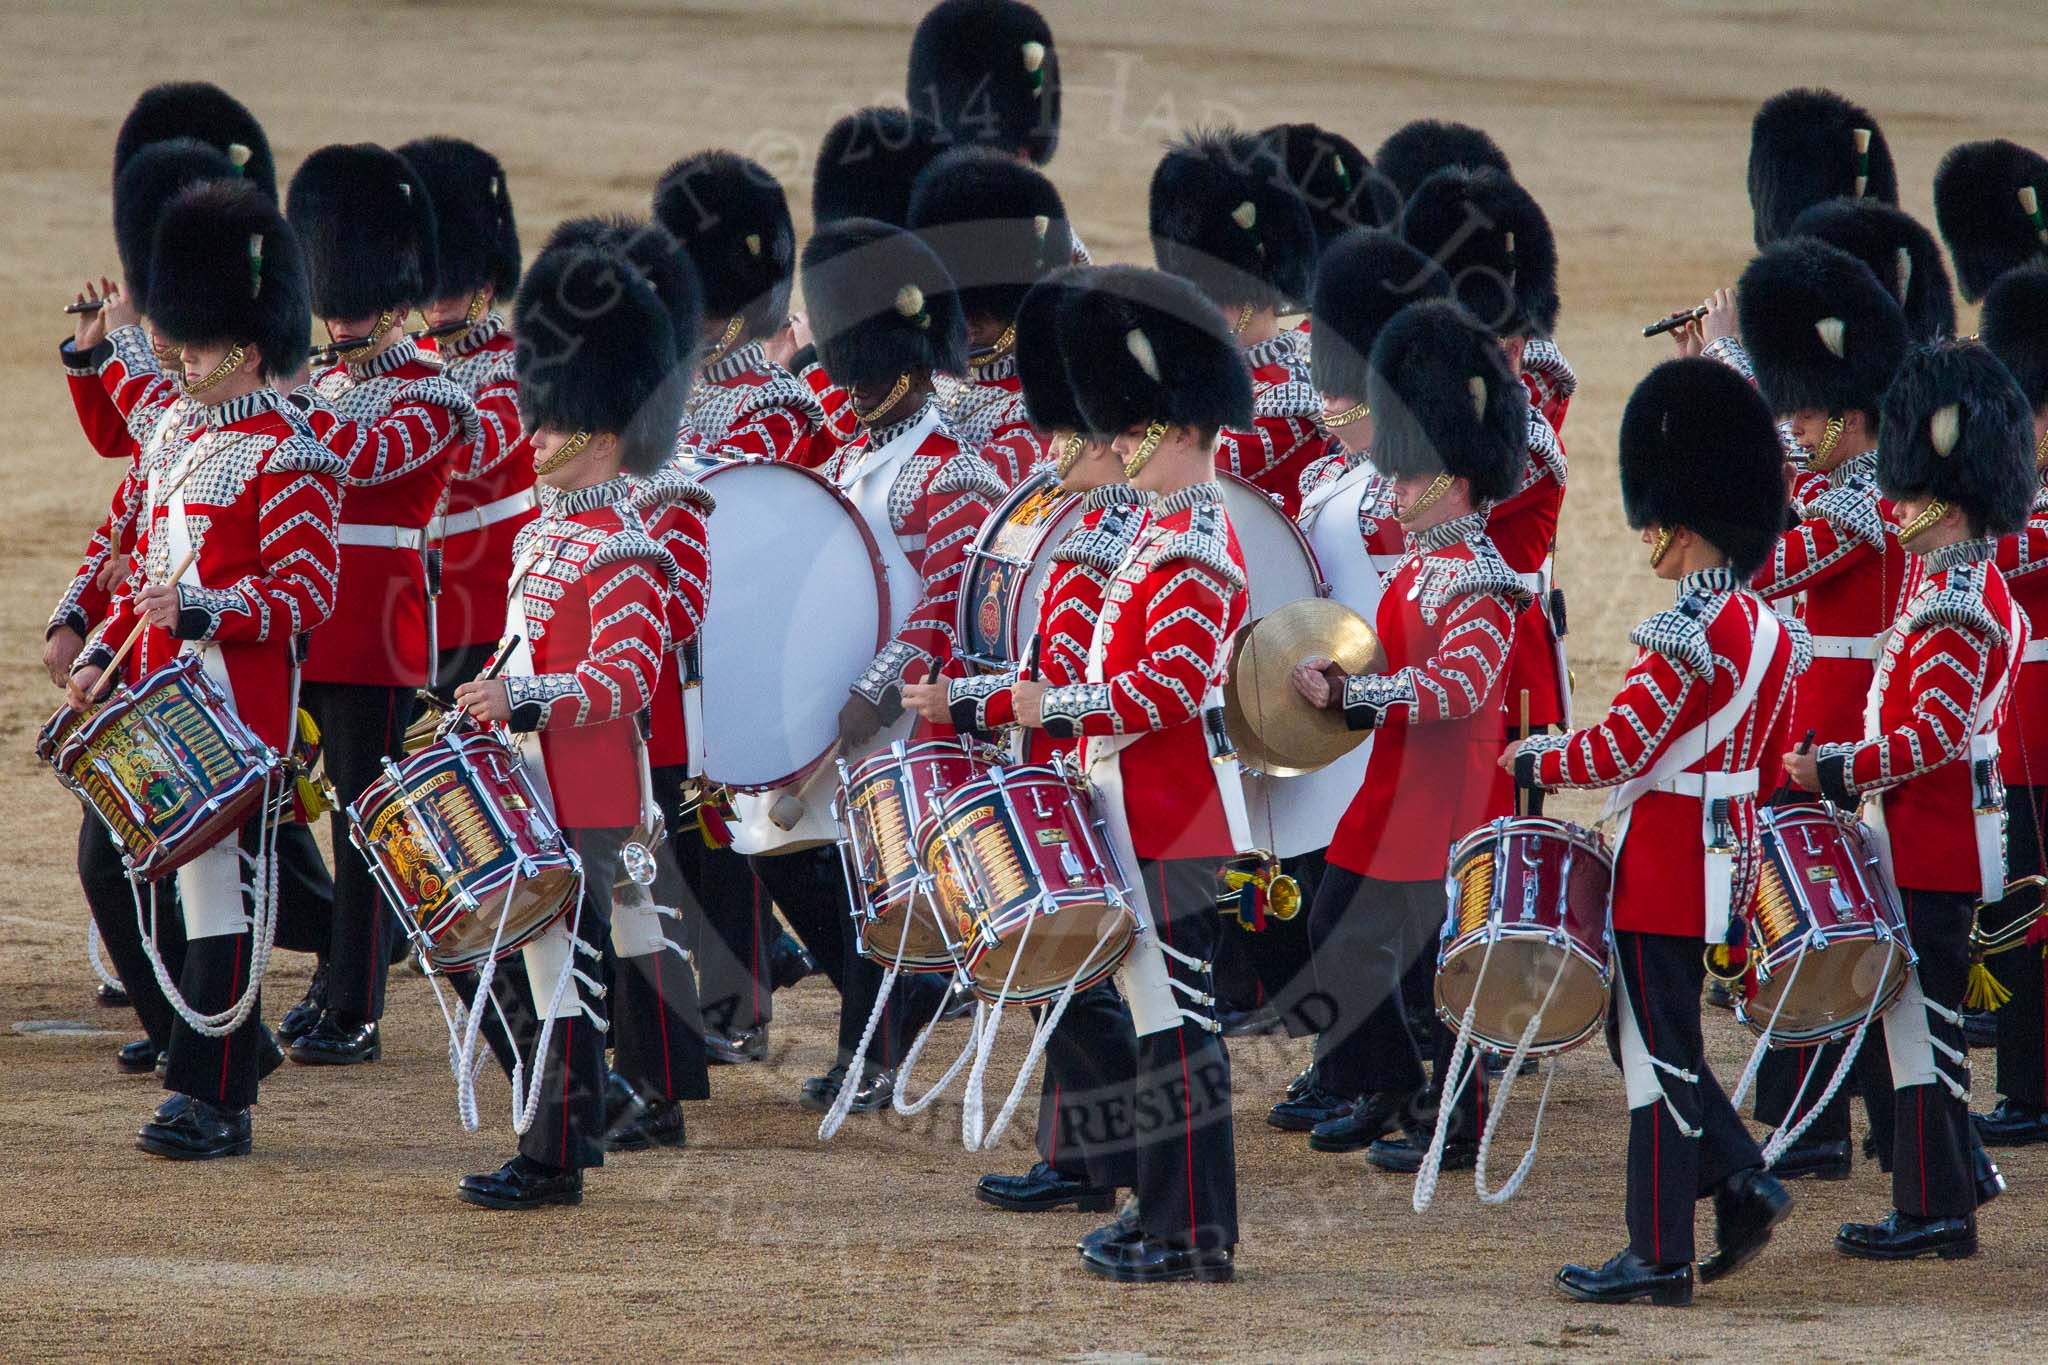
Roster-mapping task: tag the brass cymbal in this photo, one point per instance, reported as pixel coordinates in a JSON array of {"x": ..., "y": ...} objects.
[{"x": 1276, "y": 731}]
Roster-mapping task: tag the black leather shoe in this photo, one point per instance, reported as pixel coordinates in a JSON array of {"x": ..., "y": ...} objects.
[
  {"x": 522, "y": 1183},
  {"x": 137, "y": 1058},
  {"x": 111, "y": 997},
  {"x": 736, "y": 1048},
  {"x": 1041, "y": 1189},
  {"x": 1746, "y": 1207},
  {"x": 1311, "y": 1107},
  {"x": 1990, "y": 1181},
  {"x": 1902, "y": 1237},
  {"x": 1142, "y": 1260},
  {"x": 1815, "y": 1161},
  {"x": 333, "y": 1042},
  {"x": 2013, "y": 1123},
  {"x": 1980, "y": 1030},
  {"x": 1625, "y": 1279},
  {"x": 301, "y": 1018},
  {"x": 1252, "y": 1023},
  {"x": 1719, "y": 996},
  {"x": 959, "y": 1000},
  {"x": 187, "y": 1128},
  {"x": 1358, "y": 1128},
  {"x": 877, "y": 1087},
  {"x": 1123, "y": 1229},
  {"x": 269, "y": 1056},
  {"x": 1403, "y": 1155},
  {"x": 659, "y": 1124},
  {"x": 789, "y": 961}
]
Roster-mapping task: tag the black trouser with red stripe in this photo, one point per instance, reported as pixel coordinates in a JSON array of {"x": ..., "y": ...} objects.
[
  {"x": 1179, "y": 1117},
  {"x": 360, "y": 726},
  {"x": 657, "y": 1024},
  {"x": 215, "y": 972},
  {"x": 1262, "y": 967},
  {"x": 1659, "y": 976},
  {"x": 812, "y": 893},
  {"x": 1090, "y": 1061},
  {"x": 726, "y": 919},
  {"x": 2022, "y": 1020},
  {"x": 1924, "y": 1129}
]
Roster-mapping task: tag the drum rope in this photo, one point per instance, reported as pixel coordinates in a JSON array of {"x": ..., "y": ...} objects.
[
  {"x": 1505, "y": 1087},
  {"x": 842, "y": 1102},
  {"x": 525, "y": 1095},
  {"x": 1455, "y": 1074},
  {"x": 99, "y": 963},
  {"x": 1763, "y": 1042},
  {"x": 904, "y": 1105},
  {"x": 1043, "y": 1035},
  {"x": 465, "y": 1021},
  {"x": 1780, "y": 1141},
  {"x": 971, "y": 1112}
]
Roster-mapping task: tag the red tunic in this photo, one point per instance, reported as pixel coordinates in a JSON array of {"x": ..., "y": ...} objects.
[
  {"x": 1069, "y": 605},
  {"x": 136, "y": 384},
  {"x": 104, "y": 427},
  {"x": 1170, "y": 609},
  {"x": 2023, "y": 741},
  {"x": 490, "y": 496},
  {"x": 1952, "y": 650},
  {"x": 745, "y": 406},
  {"x": 399, "y": 425},
  {"x": 1550, "y": 380},
  {"x": 1286, "y": 435},
  {"x": 841, "y": 429},
  {"x": 594, "y": 590},
  {"x": 1523, "y": 527},
  {"x": 261, "y": 499},
  {"x": 1689, "y": 666},
  {"x": 674, "y": 508},
  {"x": 986, "y": 413},
  {"x": 1447, "y": 624}
]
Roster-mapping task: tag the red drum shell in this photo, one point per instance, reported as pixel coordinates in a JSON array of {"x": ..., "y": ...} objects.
[
  {"x": 885, "y": 800},
  {"x": 1535, "y": 891}
]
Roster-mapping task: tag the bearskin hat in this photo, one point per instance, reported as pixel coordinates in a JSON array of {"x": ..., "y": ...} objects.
[
  {"x": 1362, "y": 280},
  {"x": 881, "y": 305},
  {"x": 661, "y": 261},
  {"x": 150, "y": 180},
  {"x": 996, "y": 224},
  {"x": 1444, "y": 400},
  {"x": 1900, "y": 252},
  {"x": 986, "y": 72},
  {"x": 1491, "y": 238},
  {"x": 226, "y": 267},
  {"x": 1222, "y": 219},
  {"x": 366, "y": 221},
  {"x": 1415, "y": 151},
  {"x": 1956, "y": 427},
  {"x": 867, "y": 164},
  {"x": 1806, "y": 146},
  {"x": 476, "y": 240},
  {"x": 1823, "y": 334},
  {"x": 1699, "y": 449},
  {"x": 597, "y": 352},
  {"x": 1330, "y": 174},
  {"x": 732, "y": 217},
  {"x": 198, "y": 109},
  {"x": 2014, "y": 325},
  {"x": 1146, "y": 346},
  {"x": 1041, "y": 365},
  {"x": 1989, "y": 201}
]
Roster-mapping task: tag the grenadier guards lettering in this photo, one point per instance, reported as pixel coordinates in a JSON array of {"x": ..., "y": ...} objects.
[
  {"x": 601, "y": 386},
  {"x": 998, "y": 227},
  {"x": 1690, "y": 740},
  {"x": 368, "y": 226},
  {"x": 1091, "y": 1053},
  {"x": 1448, "y": 436},
  {"x": 490, "y": 489},
  {"x": 2014, "y": 325},
  {"x": 241, "y": 495},
  {"x": 1955, "y": 454},
  {"x": 1222, "y": 219},
  {"x": 1155, "y": 371}
]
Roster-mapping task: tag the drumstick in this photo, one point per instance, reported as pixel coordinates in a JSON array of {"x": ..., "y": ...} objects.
[
  {"x": 113, "y": 668},
  {"x": 1675, "y": 321},
  {"x": 1031, "y": 658},
  {"x": 1785, "y": 787},
  {"x": 1521, "y": 797},
  {"x": 85, "y": 306},
  {"x": 458, "y": 716}
]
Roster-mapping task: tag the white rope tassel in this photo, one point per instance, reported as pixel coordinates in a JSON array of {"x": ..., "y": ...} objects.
[
  {"x": 526, "y": 1096},
  {"x": 849, "y": 1081},
  {"x": 1040, "y": 1037},
  {"x": 1456, "y": 1073},
  {"x": 971, "y": 1113},
  {"x": 1503, "y": 1089},
  {"x": 1763, "y": 1043},
  {"x": 899, "y": 1099},
  {"x": 92, "y": 955}
]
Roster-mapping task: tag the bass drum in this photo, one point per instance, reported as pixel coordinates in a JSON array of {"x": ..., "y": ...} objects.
[
  {"x": 1293, "y": 815},
  {"x": 1279, "y": 565},
  {"x": 801, "y": 607},
  {"x": 1011, "y": 559}
]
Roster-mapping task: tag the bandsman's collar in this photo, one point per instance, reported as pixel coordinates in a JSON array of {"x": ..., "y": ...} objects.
[
  {"x": 1002, "y": 367},
  {"x": 1857, "y": 469},
  {"x": 881, "y": 436},
  {"x": 1204, "y": 494},
  {"x": 1448, "y": 533},
  {"x": 1961, "y": 552},
  {"x": 384, "y": 362},
  {"x": 478, "y": 337},
  {"x": 242, "y": 407},
  {"x": 750, "y": 357},
  {"x": 1277, "y": 349},
  {"x": 1114, "y": 495},
  {"x": 616, "y": 492},
  {"x": 1720, "y": 578}
]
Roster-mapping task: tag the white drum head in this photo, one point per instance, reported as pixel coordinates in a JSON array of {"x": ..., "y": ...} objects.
[
  {"x": 1279, "y": 566},
  {"x": 1051, "y": 533},
  {"x": 798, "y": 609},
  {"x": 1333, "y": 533}
]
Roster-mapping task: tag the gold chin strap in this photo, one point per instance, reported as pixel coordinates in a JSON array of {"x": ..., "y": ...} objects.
[
  {"x": 566, "y": 452},
  {"x": 229, "y": 363},
  {"x": 1244, "y": 319},
  {"x": 2041, "y": 452},
  {"x": 1438, "y": 486},
  {"x": 167, "y": 353},
  {"x": 732, "y": 334},
  {"x": 1148, "y": 447},
  {"x": 454, "y": 340},
  {"x": 990, "y": 354},
  {"x": 350, "y": 354},
  {"x": 1662, "y": 545},
  {"x": 1348, "y": 416},
  {"x": 1936, "y": 510},
  {"x": 1071, "y": 450},
  {"x": 1821, "y": 461},
  {"x": 902, "y": 386}
]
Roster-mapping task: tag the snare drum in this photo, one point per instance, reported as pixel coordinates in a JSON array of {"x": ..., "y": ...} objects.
[
  {"x": 1017, "y": 865},
  {"x": 457, "y": 837},
  {"x": 167, "y": 765},
  {"x": 882, "y": 803},
  {"x": 1007, "y": 569},
  {"x": 1528, "y": 908},
  {"x": 1824, "y": 930}
]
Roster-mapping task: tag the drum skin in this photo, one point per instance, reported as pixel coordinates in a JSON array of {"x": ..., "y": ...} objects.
[
  {"x": 884, "y": 800},
  {"x": 1008, "y": 567},
  {"x": 1528, "y": 902},
  {"x": 1279, "y": 566}
]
